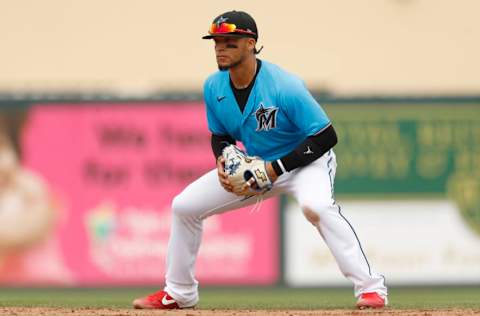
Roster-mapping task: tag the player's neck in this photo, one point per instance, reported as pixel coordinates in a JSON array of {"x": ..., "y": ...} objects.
[{"x": 243, "y": 74}]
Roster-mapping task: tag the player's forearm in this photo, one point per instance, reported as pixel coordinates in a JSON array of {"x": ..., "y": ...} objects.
[
  {"x": 310, "y": 150},
  {"x": 219, "y": 142}
]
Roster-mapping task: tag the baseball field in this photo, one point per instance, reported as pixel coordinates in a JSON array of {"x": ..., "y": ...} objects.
[{"x": 240, "y": 301}]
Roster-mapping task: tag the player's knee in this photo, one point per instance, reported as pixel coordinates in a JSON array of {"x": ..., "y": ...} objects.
[
  {"x": 312, "y": 216},
  {"x": 314, "y": 211},
  {"x": 181, "y": 206}
]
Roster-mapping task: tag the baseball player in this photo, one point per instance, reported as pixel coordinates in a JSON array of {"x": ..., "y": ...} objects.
[{"x": 288, "y": 140}]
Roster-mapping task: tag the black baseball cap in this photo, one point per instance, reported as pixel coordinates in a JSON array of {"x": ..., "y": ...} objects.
[{"x": 233, "y": 23}]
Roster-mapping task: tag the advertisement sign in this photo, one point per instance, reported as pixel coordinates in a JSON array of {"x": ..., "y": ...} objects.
[
  {"x": 111, "y": 172},
  {"x": 407, "y": 148},
  {"x": 409, "y": 242},
  {"x": 89, "y": 202},
  {"x": 408, "y": 179}
]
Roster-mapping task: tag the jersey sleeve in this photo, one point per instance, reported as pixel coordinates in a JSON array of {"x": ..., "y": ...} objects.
[
  {"x": 214, "y": 124},
  {"x": 302, "y": 109}
]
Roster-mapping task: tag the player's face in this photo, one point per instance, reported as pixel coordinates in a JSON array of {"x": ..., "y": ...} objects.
[{"x": 232, "y": 51}]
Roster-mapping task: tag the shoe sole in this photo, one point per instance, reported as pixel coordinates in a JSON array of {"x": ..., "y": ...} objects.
[
  {"x": 165, "y": 309},
  {"x": 362, "y": 307}
]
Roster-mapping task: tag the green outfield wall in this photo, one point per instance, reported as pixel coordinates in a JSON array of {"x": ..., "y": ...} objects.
[{"x": 405, "y": 148}]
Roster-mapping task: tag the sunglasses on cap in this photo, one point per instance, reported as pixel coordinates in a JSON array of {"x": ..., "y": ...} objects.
[{"x": 225, "y": 28}]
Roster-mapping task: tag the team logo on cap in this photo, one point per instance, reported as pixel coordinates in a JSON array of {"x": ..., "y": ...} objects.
[
  {"x": 221, "y": 20},
  {"x": 266, "y": 118}
]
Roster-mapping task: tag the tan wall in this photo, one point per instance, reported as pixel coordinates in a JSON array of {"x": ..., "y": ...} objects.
[{"x": 356, "y": 46}]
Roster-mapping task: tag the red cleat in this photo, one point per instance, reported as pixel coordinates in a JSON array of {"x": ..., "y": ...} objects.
[
  {"x": 371, "y": 300},
  {"x": 158, "y": 300}
]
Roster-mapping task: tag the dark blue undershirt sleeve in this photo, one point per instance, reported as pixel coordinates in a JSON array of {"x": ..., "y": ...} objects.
[{"x": 310, "y": 150}]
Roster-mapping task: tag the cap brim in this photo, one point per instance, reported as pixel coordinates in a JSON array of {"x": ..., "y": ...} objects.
[{"x": 210, "y": 36}]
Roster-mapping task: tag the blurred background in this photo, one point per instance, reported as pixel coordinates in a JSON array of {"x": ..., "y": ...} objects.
[{"x": 102, "y": 123}]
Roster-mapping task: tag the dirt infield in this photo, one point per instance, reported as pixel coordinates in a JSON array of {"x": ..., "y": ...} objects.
[{"x": 43, "y": 311}]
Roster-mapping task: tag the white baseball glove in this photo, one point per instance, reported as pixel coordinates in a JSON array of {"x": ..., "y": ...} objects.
[{"x": 248, "y": 175}]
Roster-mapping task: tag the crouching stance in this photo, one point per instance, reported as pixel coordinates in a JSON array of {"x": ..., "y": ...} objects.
[{"x": 288, "y": 140}]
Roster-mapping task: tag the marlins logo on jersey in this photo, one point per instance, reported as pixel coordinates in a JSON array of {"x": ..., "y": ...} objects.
[{"x": 266, "y": 118}]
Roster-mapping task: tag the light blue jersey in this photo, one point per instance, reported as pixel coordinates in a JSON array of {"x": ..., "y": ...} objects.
[{"x": 279, "y": 115}]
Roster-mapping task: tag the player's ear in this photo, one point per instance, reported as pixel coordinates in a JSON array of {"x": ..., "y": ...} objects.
[{"x": 251, "y": 42}]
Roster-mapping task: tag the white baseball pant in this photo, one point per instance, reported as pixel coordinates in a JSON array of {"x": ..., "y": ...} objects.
[{"x": 311, "y": 186}]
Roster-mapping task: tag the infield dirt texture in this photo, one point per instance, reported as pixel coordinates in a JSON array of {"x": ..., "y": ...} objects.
[
  {"x": 24, "y": 311},
  {"x": 239, "y": 301}
]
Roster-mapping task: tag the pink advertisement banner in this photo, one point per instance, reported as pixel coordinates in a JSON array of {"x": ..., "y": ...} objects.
[{"x": 106, "y": 174}]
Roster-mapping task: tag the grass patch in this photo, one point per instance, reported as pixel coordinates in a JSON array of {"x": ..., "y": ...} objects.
[{"x": 245, "y": 298}]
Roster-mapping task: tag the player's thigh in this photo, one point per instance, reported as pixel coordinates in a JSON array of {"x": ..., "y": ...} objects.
[
  {"x": 312, "y": 185},
  {"x": 206, "y": 196}
]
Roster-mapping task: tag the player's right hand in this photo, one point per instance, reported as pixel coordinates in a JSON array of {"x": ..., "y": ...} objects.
[{"x": 222, "y": 176}]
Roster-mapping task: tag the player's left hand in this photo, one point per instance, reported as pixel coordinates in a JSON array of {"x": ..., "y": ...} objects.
[
  {"x": 250, "y": 187},
  {"x": 247, "y": 175}
]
